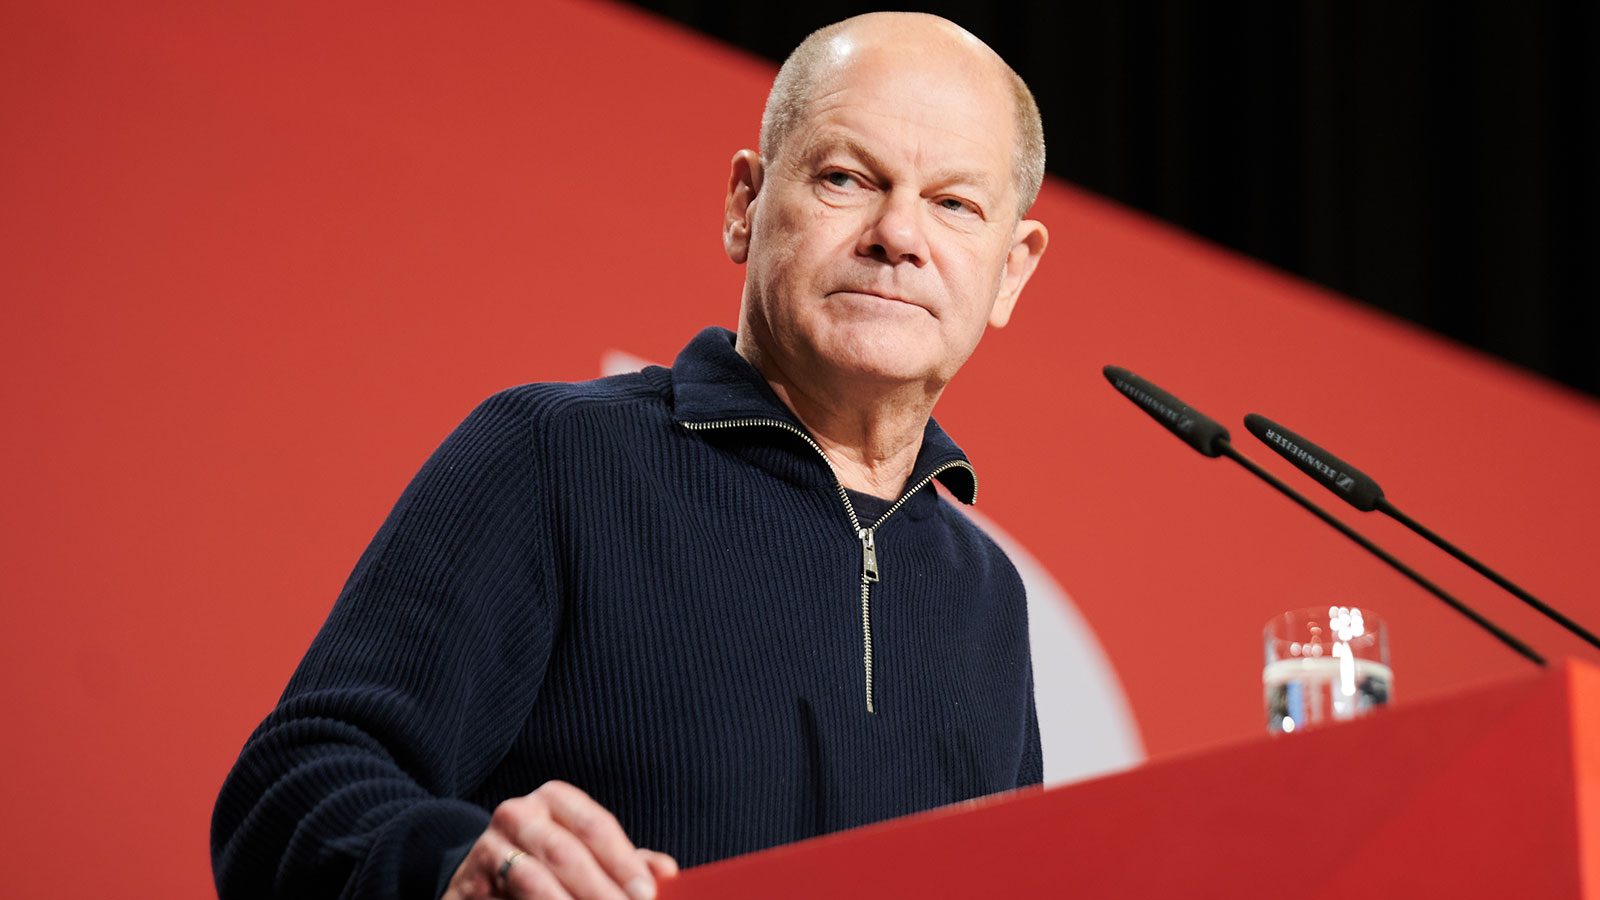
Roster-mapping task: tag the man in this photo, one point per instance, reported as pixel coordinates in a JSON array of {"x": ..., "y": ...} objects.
[{"x": 712, "y": 608}]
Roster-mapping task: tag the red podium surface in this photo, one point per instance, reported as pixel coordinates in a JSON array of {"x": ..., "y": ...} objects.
[{"x": 1492, "y": 793}]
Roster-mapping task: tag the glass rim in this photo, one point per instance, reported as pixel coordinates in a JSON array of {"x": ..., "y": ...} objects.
[
  {"x": 1321, "y": 612},
  {"x": 1285, "y": 634}
]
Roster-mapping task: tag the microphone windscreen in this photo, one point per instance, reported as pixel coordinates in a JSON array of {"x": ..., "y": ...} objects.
[
  {"x": 1332, "y": 472},
  {"x": 1191, "y": 427}
]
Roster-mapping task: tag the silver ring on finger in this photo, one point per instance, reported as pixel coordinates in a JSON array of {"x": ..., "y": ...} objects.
[{"x": 511, "y": 860}]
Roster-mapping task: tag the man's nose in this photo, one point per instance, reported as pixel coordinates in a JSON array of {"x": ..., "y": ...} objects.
[{"x": 896, "y": 233}]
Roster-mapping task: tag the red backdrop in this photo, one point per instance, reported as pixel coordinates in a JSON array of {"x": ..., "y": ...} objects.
[{"x": 257, "y": 261}]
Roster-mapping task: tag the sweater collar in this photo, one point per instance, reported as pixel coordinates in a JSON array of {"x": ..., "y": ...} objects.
[{"x": 712, "y": 383}]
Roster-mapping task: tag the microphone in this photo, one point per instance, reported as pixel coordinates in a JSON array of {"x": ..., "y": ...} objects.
[
  {"x": 1332, "y": 472},
  {"x": 1363, "y": 493},
  {"x": 1211, "y": 439},
  {"x": 1194, "y": 429}
]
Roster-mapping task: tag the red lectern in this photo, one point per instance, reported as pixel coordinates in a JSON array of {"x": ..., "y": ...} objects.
[{"x": 1493, "y": 793}]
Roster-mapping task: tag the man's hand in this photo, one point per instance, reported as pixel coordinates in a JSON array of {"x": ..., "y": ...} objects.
[{"x": 561, "y": 844}]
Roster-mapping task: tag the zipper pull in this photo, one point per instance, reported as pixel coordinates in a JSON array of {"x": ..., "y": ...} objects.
[{"x": 869, "y": 555}]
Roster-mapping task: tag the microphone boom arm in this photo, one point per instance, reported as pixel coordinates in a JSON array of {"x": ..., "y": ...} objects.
[{"x": 1504, "y": 636}]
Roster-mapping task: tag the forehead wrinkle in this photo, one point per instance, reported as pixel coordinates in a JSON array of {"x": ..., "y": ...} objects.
[
  {"x": 828, "y": 138},
  {"x": 840, "y": 96},
  {"x": 948, "y": 175}
]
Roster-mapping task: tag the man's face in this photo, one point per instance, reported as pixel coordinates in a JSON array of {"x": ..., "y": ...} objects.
[{"x": 884, "y": 237}]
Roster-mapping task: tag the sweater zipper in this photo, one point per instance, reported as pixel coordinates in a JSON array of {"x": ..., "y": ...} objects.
[{"x": 867, "y": 535}]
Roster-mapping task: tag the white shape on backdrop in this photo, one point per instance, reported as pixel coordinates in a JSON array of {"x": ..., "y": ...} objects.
[
  {"x": 615, "y": 362},
  {"x": 1085, "y": 723}
]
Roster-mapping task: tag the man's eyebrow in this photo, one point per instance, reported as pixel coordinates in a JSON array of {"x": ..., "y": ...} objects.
[{"x": 831, "y": 143}]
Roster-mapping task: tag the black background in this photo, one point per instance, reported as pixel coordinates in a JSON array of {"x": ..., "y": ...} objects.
[{"x": 1435, "y": 160}]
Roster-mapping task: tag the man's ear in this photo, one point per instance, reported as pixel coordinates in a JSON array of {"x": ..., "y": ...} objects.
[
  {"x": 744, "y": 183},
  {"x": 1027, "y": 245}
]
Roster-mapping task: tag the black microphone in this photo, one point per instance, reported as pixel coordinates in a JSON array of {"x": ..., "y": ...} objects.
[
  {"x": 1334, "y": 473},
  {"x": 1211, "y": 439},
  {"x": 1194, "y": 429},
  {"x": 1364, "y": 494}
]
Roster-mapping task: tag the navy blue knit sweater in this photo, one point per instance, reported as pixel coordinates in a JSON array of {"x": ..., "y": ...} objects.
[{"x": 650, "y": 586}]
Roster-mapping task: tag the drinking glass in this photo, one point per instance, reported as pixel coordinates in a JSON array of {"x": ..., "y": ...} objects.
[{"x": 1324, "y": 664}]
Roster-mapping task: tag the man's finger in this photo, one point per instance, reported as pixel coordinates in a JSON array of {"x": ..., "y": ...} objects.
[
  {"x": 498, "y": 862},
  {"x": 597, "y": 830},
  {"x": 517, "y": 873},
  {"x": 483, "y": 874},
  {"x": 530, "y": 879},
  {"x": 661, "y": 865},
  {"x": 551, "y": 846}
]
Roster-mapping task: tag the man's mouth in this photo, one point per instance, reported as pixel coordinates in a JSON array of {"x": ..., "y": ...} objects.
[{"x": 881, "y": 295}]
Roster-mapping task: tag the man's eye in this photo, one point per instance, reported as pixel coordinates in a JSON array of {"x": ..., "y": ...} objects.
[
  {"x": 840, "y": 179},
  {"x": 956, "y": 205}
]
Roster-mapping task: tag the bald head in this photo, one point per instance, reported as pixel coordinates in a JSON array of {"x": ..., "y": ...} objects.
[{"x": 828, "y": 50}]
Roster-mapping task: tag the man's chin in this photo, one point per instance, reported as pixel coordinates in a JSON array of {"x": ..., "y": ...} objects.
[{"x": 869, "y": 354}]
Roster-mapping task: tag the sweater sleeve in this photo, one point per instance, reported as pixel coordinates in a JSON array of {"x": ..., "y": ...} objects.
[
  {"x": 410, "y": 694},
  {"x": 1031, "y": 771}
]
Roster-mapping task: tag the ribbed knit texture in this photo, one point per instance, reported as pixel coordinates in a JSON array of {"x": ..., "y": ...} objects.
[{"x": 578, "y": 586}]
